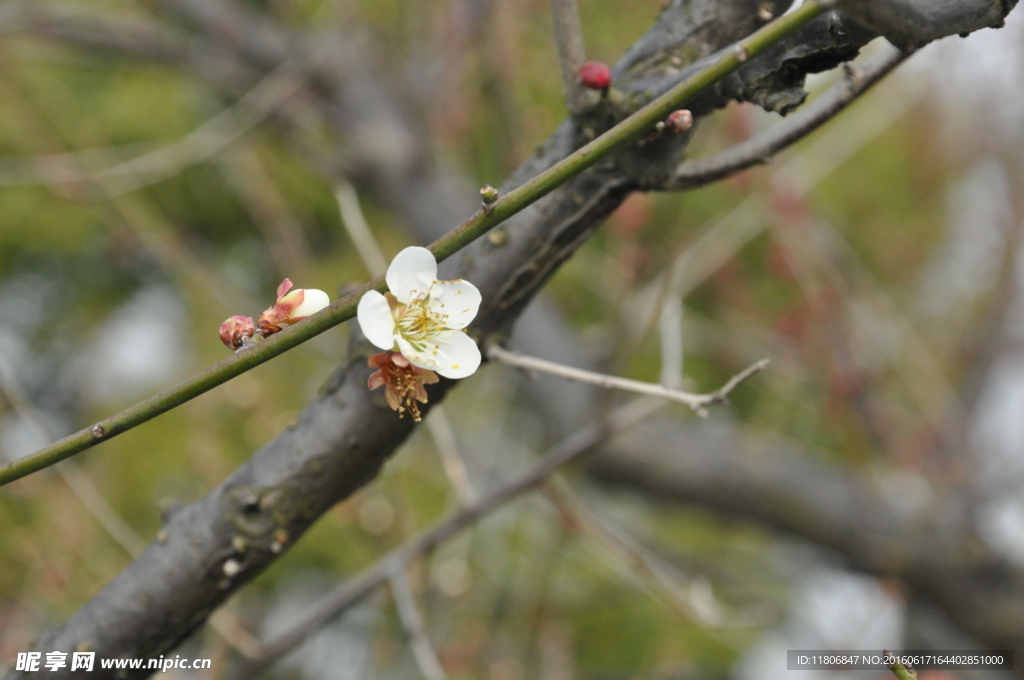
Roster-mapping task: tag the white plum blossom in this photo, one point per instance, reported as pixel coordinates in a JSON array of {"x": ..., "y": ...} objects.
[{"x": 423, "y": 318}]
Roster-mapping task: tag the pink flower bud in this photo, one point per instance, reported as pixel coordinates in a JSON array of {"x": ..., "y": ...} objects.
[
  {"x": 291, "y": 307},
  {"x": 596, "y": 75},
  {"x": 679, "y": 121},
  {"x": 236, "y": 330}
]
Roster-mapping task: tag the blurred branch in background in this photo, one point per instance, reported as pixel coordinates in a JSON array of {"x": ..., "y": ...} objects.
[
  {"x": 694, "y": 601},
  {"x": 412, "y": 622},
  {"x": 207, "y": 140},
  {"x": 79, "y": 483},
  {"x": 286, "y": 241},
  {"x": 571, "y": 54},
  {"x": 359, "y": 231}
]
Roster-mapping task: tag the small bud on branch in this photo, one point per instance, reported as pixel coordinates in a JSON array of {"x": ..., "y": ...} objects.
[
  {"x": 236, "y": 331},
  {"x": 679, "y": 121},
  {"x": 595, "y": 75}
]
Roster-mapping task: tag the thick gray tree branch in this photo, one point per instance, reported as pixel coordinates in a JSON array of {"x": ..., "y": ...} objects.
[{"x": 912, "y": 23}]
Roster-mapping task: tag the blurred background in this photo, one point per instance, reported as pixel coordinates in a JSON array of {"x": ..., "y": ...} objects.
[{"x": 152, "y": 183}]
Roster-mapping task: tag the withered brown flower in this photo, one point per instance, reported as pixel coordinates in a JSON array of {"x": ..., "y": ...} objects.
[{"x": 403, "y": 382}]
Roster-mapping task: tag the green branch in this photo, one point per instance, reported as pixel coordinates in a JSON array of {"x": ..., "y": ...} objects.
[
  {"x": 628, "y": 131},
  {"x": 899, "y": 670}
]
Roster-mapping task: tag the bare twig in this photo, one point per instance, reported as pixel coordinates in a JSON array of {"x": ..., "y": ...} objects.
[
  {"x": 358, "y": 230},
  {"x": 670, "y": 326},
  {"x": 441, "y": 432},
  {"x": 352, "y": 591},
  {"x": 824, "y": 250},
  {"x": 571, "y": 54},
  {"x": 658, "y": 577},
  {"x": 899, "y": 670},
  {"x": 761, "y": 148},
  {"x": 412, "y": 622},
  {"x": 697, "y": 402},
  {"x": 203, "y": 142},
  {"x": 269, "y": 209},
  {"x": 79, "y": 483}
]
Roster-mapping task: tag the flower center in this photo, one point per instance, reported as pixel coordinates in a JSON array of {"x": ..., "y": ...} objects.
[{"x": 417, "y": 322}]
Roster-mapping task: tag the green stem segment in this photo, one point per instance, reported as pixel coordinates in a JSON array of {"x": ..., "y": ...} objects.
[
  {"x": 902, "y": 672},
  {"x": 628, "y": 131}
]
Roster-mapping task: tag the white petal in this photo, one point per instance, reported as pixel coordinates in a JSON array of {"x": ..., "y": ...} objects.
[
  {"x": 457, "y": 356},
  {"x": 457, "y": 302},
  {"x": 313, "y": 301},
  {"x": 375, "y": 320},
  {"x": 413, "y": 271},
  {"x": 423, "y": 359}
]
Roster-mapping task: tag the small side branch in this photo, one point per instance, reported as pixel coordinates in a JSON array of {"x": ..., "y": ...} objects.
[
  {"x": 761, "y": 148},
  {"x": 900, "y": 670},
  {"x": 443, "y": 434},
  {"x": 358, "y": 230},
  {"x": 697, "y": 402},
  {"x": 624, "y": 550},
  {"x": 571, "y": 54},
  {"x": 412, "y": 622}
]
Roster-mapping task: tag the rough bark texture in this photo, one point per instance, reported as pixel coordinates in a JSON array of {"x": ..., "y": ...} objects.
[
  {"x": 910, "y": 23},
  {"x": 344, "y": 436}
]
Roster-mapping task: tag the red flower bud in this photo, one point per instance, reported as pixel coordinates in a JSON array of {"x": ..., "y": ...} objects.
[
  {"x": 236, "y": 330},
  {"x": 595, "y": 75}
]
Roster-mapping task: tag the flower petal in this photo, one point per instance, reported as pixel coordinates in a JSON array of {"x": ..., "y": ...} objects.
[
  {"x": 413, "y": 271},
  {"x": 283, "y": 288},
  {"x": 394, "y": 401},
  {"x": 313, "y": 301},
  {"x": 375, "y": 320},
  {"x": 421, "y": 359},
  {"x": 375, "y": 380},
  {"x": 426, "y": 376},
  {"x": 286, "y": 305},
  {"x": 457, "y": 356},
  {"x": 457, "y": 302},
  {"x": 379, "y": 359}
]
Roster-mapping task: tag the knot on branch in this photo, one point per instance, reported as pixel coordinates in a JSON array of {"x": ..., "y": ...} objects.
[{"x": 252, "y": 512}]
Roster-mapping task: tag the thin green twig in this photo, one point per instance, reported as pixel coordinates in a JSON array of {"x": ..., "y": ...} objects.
[
  {"x": 899, "y": 670},
  {"x": 630, "y": 130}
]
